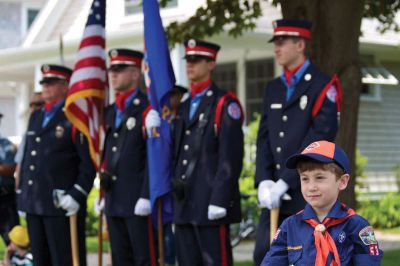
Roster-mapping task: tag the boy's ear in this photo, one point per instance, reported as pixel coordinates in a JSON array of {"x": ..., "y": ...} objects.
[{"x": 343, "y": 181}]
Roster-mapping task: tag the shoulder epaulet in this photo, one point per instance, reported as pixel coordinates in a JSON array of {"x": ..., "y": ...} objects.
[
  {"x": 332, "y": 90},
  {"x": 218, "y": 110}
]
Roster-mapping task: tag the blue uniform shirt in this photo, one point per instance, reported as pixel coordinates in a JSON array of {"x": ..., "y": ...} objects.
[
  {"x": 194, "y": 103},
  {"x": 49, "y": 114},
  {"x": 354, "y": 238},
  {"x": 294, "y": 80}
]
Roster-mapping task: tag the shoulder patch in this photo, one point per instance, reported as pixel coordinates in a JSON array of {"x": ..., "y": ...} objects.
[
  {"x": 331, "y": 94},
  {"x": 367, "y": 236},
  {"x": 234, "y": 111}
]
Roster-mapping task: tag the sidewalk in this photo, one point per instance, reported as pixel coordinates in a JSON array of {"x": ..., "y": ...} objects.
[{"x": 244, "y": 252}]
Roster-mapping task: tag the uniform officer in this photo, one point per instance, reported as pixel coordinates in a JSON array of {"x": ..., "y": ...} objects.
[
  {"x": 56, "y": 158},
  {"x": 125, "y": 179},
  {"x": 8, "y": 209},
  {"x": 208, "y": 161},
  {"x": 299, "y": 107}
]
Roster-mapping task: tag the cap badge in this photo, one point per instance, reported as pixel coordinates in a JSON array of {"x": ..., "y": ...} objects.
[
  {"x": 46, "y": 68},
  {"x": 130, "y": 123},
  {"x": 114, "y": 53},
  {"x": 303, "y": 102},
  {"x": 312, "y": 146},
  {"x": 191, "y": 43},
  {"x": 59, "y": 132}
]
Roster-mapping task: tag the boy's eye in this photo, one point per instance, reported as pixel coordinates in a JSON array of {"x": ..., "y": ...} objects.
[
  {"x": 304, "y": 179},
  {"x": 320, "y": 177}
]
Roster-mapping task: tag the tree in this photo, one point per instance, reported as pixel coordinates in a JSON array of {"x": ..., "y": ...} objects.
[{"x": 335, "y": 43}]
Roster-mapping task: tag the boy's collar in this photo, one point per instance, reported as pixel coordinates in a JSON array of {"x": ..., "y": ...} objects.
[{"x": 337, "y": 211}]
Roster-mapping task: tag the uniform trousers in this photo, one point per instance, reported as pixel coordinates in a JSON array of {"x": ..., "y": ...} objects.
[
  {"x": 8, "y": 216},
  {"x": 203, "y": 245},
  {"x": 262, "y": 235},
  {"x": 132, "y": 241},
  {"x": 50, "y": 240}
]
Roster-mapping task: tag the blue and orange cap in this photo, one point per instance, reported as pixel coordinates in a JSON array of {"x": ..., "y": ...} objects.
[{"x": 322, "y": 151}]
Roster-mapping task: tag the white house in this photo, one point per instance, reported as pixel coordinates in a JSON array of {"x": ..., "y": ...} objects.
[{"x": 245, "y": 65}]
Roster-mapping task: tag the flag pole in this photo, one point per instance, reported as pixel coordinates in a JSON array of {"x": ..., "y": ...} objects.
[
  {"x": 61, "y": 50},
  {"x": 100, "y": 235},
  {"x": 160, "y": 232}
]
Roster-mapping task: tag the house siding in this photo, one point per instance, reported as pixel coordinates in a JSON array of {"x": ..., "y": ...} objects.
[{"x": 10, "y": 24}]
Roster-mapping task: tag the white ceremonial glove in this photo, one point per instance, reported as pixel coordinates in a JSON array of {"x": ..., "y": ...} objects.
[
  {"x": 98, "y": 205},
  {"x": 152, "y": 120},
  {"x": 277, "y": 192},
  {"x": 69, "y": 204},
  {"x": 264, "y": 193},
  {"x": 215, "y": 212},
  {"x": 143, "y": 207}
]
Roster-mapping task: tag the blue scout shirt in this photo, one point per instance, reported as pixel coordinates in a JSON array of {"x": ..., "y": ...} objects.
[{"x": 354, "y": 238}]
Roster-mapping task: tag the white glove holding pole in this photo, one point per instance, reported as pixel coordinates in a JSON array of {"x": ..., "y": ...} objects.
[
  {"x": 277, "y": 193},
  {"x": 69, "y": 204},
  {"x": 264, "y": 193},
  {"x": 143, "y": 207},
  {"x": 153, "y": 120},
  {"x": 216, "y": 212},
  {"x": 98, "y": 205}
]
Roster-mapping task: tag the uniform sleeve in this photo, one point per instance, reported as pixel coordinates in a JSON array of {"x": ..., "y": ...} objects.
[
  {"x": 230, "y": 154},
  {"x": 264, "y": 158},
  {"x": 87, "y": 171},
  {"x": 366, "y": 247},
  {"x": 9, "y": 150},
  {"x": 278, "y": 253}
]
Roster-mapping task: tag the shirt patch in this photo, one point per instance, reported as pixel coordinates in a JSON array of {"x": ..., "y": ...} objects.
[
  {"x": 234, "y": 111},
  {"x": 331, "y": 94},
  {"x": 276, "y": 106},
  {"x": 277, "y": 234},
  {"x": 367, "y": 236},
  {"x": 342, "y": 237},
  {"x": 294, "y": 247}
]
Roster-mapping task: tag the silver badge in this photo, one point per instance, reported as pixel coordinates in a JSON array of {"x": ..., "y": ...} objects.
[
  {"x": 136, "y": 101},
  {"x": 303, "y": 102},
  {"x": 307, "y": 77},
  {"x": 130, "y": 123},
  {"x": 191, "y": 43},
  {"x": 59, "y": 132},
  {"x": 114, "y": 53}
]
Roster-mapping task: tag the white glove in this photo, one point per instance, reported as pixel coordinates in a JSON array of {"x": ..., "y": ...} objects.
[
  {"x": 277, "y": 192},
  {"x": 98, "y": 205},
  {"x": 69, "y": 204},
  {"x": 264, "y": 193},
  {"x": 143, "y": 207},
  {"x": 215, "y": 212},
  {"x": 152, "y": 120}
]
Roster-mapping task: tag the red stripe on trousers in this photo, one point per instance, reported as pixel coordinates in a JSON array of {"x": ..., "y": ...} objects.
[
  {"x": 222, "y": 236},
  {"x": 152, "y": 251}
]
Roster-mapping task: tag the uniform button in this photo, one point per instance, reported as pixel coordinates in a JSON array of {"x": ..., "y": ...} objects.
[
  {"x": 30, "y": 182},
  {"x": 281, "y": 134},
  {"x": 31, "y": 167},
  {"x": 186, "y": 147},
  {"x": 278, "y": 166},
  {"x": 115, "y": 135},
  {"x": 184, "y": 162},
  {"x": 278, "y": 149},
  {"x": 114, "y": 177},
  {"x": 183, "y": 176},
  {"x": 38, "y": 139},
  {"x": 33, "y": 153},
  {"x": 284, "y": 118},
  {"x": 114, "y": 149},
  {"x": 187, "y": 132}
]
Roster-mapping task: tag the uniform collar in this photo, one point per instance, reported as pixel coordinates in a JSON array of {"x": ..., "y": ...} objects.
[
  {"x": 124, "y": 99},
  {"x": 296, "y": 76},
  {"x": 338, "y": 211},
  {"x": 52, "y": 107},
  {"x": 199, "y": 88}
]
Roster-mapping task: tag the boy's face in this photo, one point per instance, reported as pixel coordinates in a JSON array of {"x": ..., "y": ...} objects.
[
  {"x": 199, "y": 70},
  {"x": 320, "y": 188}
]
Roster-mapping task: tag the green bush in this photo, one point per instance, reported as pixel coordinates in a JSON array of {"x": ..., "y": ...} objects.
[
  {"x": 382, "y": 213},
  {"x": 92, "y": 219}
]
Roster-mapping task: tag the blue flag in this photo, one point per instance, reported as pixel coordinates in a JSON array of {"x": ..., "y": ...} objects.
[{"x": 160, "y": 79}]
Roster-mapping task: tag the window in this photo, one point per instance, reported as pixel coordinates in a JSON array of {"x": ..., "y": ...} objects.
[
  {"x": 225, "y": 76},
  {"x": 258, "y": 73},
  {"x": 32, "y": 13},
  {"x": 135, "y": 6}
]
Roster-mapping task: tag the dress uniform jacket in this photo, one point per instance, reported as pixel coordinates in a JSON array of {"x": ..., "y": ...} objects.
[
  {"x": 214, "y": 179},
  {"x": 54, "y": 158},
  {"x": 294, "y": 242},
  {"x": 287, "y": 127},
  {"x": 129, "y": 179}
]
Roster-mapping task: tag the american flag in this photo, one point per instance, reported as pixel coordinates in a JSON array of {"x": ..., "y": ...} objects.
[{"x": 88, "y": 85}]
